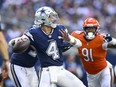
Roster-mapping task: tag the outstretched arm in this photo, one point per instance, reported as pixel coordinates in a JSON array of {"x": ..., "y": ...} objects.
[
  {"x": 110, "y": 42},
  {"x": 72, "y": 40}
]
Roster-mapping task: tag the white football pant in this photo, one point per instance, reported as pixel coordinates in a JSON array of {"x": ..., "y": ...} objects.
[
  {"x": 60, "y": 76},
  {"x": 23, "y": 77},
  {"x": 102, "y": 79}
]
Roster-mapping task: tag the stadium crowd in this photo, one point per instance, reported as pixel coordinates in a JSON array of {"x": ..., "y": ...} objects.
[{"x": 18, "y": 15}]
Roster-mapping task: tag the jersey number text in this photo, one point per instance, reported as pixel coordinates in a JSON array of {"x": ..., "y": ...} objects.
[
  {"x": 87, "y": 53},
  {"x": 52, "y": 50}
]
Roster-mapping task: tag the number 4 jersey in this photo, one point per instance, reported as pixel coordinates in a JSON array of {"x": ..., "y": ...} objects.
[
  {"x": 48, "y": 46},
  {"x": 92, "y": 53}
]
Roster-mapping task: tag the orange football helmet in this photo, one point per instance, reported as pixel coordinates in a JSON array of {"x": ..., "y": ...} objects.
[
  {"x": 90, "y": 27},
  {"x": 91, "y": 22}
]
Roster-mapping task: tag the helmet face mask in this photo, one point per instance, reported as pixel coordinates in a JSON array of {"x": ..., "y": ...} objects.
[
  {"x": 53, "y": 18},
  {"x": 90, "y": 32},
  {"x": 46, "y": 16},
  {"x": 90, "y": 27}
]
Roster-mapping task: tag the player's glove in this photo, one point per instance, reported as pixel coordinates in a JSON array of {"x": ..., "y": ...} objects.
[
  {"x": 108, "y": 38},
  {"x": 3, "y": 76}
]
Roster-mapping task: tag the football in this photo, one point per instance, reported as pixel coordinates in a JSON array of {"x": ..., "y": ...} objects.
[{"x": 20, "y": 46}]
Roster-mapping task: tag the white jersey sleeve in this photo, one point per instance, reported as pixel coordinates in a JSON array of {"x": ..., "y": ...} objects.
[
  {"x": 105, "y": 44},
  {"x": 77, "y": 42}
]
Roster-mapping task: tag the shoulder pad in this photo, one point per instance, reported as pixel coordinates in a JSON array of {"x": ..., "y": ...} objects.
[{"x": 33, "y": 27}]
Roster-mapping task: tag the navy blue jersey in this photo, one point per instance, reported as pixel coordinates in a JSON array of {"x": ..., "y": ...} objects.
[
  {"x": 25, "y": 59},
  {"x": 49, "y": 47}
]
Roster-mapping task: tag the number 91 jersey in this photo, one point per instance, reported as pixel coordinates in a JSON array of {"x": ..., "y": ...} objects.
[
  {"x": 92, "y": 54},
  {"x": 49, "y": 47}
]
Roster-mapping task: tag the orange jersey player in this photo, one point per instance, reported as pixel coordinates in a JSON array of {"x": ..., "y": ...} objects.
[{"x": 93, "y": 53}]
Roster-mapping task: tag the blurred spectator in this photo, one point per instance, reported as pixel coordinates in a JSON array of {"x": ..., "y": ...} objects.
[
  {"x": 73, "y": 12},
  {"x": 14, "y": 32}
]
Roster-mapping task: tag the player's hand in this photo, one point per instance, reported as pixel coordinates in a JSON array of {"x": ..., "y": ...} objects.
[
  {"x": 4, "y": 74},
  {"x": 21, "y": 40},
  {"x": 108, "y": 37},
  {"x": 65, "y": 35},
  {"x": 21, "y": 44},
  {"x": 13, "y": 42},
  {"x": 5, "y": 69}
]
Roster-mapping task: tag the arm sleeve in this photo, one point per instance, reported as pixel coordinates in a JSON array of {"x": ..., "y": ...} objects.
[
  {"x": 113, "y": 41},
  {"x": 29, "y": 33},
  {"x": 30, "y": 36},
  {"x": 73, "y": 40},
  {"x": 111, "y": 44},
  {"x": 74, "y": 36},
  {"x": 104, "y": 45}
]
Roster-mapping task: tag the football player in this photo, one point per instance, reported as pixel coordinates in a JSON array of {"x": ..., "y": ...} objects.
[
  {"x": 22, "y": 71},
  {"x": 23, "y": 62},
  {"x": 48, "y": 38},
  {"x": 93, "y": 53}
]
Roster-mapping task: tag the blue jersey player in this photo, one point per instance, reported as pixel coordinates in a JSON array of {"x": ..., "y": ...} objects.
[
  {"x": 48, "y": 39},
  {"x": 22, "y": 71}
]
